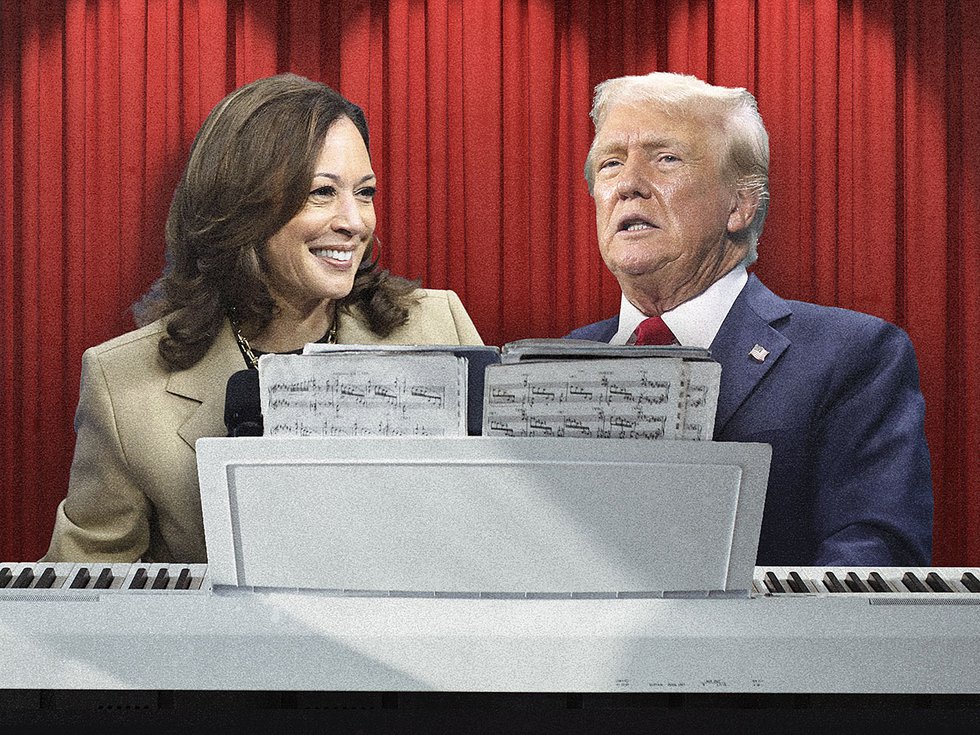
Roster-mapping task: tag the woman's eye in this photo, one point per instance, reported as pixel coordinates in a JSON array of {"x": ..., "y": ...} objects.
[
  {"x": 367, "y": 192},
  {"x": 323, "y": 191}
]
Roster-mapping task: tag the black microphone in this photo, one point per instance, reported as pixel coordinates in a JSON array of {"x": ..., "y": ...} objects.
[{"x": 243, "y": 409}]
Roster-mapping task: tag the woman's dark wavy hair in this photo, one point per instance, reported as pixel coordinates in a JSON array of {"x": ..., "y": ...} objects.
[{"x": 248, "y": 174}]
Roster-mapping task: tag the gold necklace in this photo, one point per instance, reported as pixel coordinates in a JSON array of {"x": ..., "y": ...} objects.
[
  {"x": 243, "y": 345},
  {"x": 252, "y": 359}
]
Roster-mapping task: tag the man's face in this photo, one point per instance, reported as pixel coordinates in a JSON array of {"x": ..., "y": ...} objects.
[{"x": 664, "y": 208}]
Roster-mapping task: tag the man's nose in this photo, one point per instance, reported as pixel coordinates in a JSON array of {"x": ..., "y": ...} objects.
[{"x": 632, "y": 181}]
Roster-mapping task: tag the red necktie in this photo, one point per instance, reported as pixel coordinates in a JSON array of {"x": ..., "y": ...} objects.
[{"x": 653, "y": 331}]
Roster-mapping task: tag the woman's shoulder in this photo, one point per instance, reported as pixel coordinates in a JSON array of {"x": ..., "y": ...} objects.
[
  {"x": 437, "y": 298},
  {"x": 442, "y": 311},
  {"x": 142, "y": 338},
  {"x": 134, "y": 350}
]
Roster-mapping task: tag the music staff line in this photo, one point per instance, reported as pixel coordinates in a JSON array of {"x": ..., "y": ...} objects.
[
  {"x": 297, "y": 427},
  {"x": 311, "y": 393}
]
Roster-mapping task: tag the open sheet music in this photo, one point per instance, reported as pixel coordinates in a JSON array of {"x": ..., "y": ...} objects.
[
  {"x": 352, "y": 393},
  {"x": 594, "y": 390},
  {"x": 542, "y": 387}
]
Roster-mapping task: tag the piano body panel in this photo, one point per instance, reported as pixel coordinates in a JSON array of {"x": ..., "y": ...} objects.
[{"x": 308, "y": 641}]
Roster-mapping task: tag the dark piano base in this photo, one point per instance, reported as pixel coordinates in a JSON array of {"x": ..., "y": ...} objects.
[{"x": 468, "y": 712}]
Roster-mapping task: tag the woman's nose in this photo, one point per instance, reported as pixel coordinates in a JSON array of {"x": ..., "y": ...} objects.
[{"x": 349, "y": 218}]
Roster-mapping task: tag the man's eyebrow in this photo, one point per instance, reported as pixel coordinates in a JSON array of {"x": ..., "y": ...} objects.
[{"x": 651, "y": 141}]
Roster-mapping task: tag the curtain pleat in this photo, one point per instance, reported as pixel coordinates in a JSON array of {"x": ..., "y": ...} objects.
[
  {"x": 13, "y": 532},
  {"x": 959, "y": 483},
  {"x": 478, "y": 114}
]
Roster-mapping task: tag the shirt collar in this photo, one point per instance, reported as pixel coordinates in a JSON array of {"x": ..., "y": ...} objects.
[{"x": 695, "y": 322}]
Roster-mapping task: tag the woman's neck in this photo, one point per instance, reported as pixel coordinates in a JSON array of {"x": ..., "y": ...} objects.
[{"x": 291, "y": 329}]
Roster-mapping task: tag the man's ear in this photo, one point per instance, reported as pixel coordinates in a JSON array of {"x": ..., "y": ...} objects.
[{"x": 744, "y": 206}]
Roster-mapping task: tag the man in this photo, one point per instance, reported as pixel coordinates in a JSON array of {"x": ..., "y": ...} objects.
[{"x": 679, "y": 173}]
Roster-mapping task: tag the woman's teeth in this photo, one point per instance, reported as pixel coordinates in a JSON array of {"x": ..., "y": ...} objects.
[{"x": 334, "y": 254}]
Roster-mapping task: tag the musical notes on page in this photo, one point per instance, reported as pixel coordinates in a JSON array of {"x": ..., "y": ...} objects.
[
  {"x": 352, "y": 394},
  {"x": 636, "y": 398}
]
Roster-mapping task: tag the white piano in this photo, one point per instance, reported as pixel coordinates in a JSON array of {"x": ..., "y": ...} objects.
[
  {"x": 796, "y": 632},
  {"x": 260, "y": 619}
]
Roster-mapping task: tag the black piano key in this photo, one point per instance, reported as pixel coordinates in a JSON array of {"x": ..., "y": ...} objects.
[
  {"x": 913, "y": 583},
  {"x": 969, "y": 580},
  {"x": 796, "y": 583},
  {"x": 833, "y": 584},
  {"x": 105, "y": 579},
  {"x": 5, "y": 577},
  {"x": 878, "y": 583},
  {"x": 81, "y": 580},
  {"x": 24, "y": 579},
  {"x": 183, "y": 580},
  {"x": 855, "y": 584},
  {"x": 937, "y": 583},
  {"x": 46, "y": 579},
  {"x": 161, "y": 581},
  {"x": 772, "y": 583},
  {"x": 139, "y": 579}
]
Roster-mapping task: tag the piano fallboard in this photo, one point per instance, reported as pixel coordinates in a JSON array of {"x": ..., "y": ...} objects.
[{"x": 804, "y": 638}]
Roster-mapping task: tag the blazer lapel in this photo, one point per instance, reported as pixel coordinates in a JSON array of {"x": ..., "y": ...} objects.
[
  {"x": 607, "y": 329},
  {"x": 746, "y": 329},
  {"x": 205, "y": 383}
]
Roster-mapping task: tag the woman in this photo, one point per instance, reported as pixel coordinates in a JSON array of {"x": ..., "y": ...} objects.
[{"x": 270, "y": 244}]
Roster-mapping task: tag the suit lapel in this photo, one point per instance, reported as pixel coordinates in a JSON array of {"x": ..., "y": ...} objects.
[
  {"x": 603, "y": 331},
  {"x": 748, "y": 324},
  {"x": 205, "y": 383}
]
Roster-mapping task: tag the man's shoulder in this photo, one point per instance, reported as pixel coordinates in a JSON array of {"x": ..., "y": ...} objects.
[
  {"x": 807, "y": 319},
  {"x": 601, "y": 331}
]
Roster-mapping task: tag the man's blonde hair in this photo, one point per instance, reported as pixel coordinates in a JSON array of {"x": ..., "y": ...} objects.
[{"x": 734, "y": 109}]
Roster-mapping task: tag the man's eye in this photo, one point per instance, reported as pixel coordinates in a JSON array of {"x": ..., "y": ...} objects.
[
  {"x": 668, "y": 158},
  {"x": 609, "y": 164}
]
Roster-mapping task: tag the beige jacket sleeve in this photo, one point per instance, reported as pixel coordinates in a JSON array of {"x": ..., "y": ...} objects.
[{"x": 105, "y": 516}]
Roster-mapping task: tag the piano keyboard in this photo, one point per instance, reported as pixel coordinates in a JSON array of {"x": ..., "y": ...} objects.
[
  {"x": 70, "y": 578},
  {"x": 901, "y": 630},
  {"x": 959, "y": 583}
]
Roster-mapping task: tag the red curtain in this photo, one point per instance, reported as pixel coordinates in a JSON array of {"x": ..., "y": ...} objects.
[{"x": 479, "y": 120}]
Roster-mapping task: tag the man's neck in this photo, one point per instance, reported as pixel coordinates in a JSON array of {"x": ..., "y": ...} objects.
[{"x": 694, "y": 322}]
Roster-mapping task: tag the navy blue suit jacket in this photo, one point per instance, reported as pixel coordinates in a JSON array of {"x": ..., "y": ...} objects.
[{"x": 838, "y": 399}]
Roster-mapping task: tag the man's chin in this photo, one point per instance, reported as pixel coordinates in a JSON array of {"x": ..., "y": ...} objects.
[{"x": 638, "y": 267}]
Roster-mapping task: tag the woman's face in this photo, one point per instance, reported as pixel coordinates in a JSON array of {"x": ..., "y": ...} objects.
[{"x": 312, "y": 260}]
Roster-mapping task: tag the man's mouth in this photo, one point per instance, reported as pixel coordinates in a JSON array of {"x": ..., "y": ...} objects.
[
  {"x": 635, "y": 224},
  {"x": 333, "y": 254}
]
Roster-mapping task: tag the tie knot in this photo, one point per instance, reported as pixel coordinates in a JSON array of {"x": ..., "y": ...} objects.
[{"x": 653, "y": 331}]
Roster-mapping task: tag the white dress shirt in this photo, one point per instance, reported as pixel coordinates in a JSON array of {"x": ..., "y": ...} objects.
[{"x": 695, "y": 322}]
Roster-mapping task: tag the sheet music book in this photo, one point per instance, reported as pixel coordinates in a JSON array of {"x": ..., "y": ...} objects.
[
  {"x": 477, "y": 358},
  {"x": 364, "y": 393},
  {"x": 595, "y": 390}
]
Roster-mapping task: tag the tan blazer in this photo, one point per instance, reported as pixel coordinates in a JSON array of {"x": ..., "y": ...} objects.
[{"x": 133, "y": 492}]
